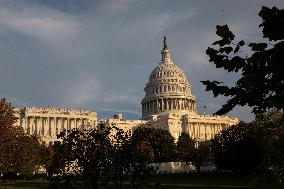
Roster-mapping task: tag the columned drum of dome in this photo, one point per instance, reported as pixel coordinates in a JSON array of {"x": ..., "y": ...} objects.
[{"x": 168, "y": 89}]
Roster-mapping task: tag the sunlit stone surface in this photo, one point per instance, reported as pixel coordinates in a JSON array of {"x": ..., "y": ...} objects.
[
  {"x": 48, "y": 122},
  {"x": 168, "y": 90},
  {"x": 168, "y": 104}
]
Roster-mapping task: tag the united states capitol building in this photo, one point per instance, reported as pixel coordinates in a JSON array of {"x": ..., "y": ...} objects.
[{"x": 168, "y": 104}]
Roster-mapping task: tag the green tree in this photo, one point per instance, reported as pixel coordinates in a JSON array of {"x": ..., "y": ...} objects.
[
  {"x": 142, "y": 159},
  {"x": 185, "y": 148},
  {"x": 202, "y": 154},
  {"x": 261, "y": 85},
  {"x": 239, "y": 148},
  {"x": 19, "y": 152},
  {"x": 7, "y": 118},
  {"x": 82, "y": 155},
  {"x": 271, "y": 168},
  {"x": 121, "y": 155},
  {"x": 161, "y": 141},
  {"x": 101, "y": 155}
]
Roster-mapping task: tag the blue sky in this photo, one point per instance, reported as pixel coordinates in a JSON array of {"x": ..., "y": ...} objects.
[{"x": 98, "y": 55}]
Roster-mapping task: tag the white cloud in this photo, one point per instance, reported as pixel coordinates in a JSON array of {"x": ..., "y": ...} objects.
[
  {"x": 44, "y": 23},
  {"x": 99, "y": 55}
]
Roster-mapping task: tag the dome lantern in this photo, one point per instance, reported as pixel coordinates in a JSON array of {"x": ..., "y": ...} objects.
[{"x": 166, "y": 53}]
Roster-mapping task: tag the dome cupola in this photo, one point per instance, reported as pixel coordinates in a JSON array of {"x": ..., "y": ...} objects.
[{"x": 168, "y": 89}]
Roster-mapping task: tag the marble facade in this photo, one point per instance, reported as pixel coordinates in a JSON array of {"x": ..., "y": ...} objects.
[
  {"x": 169, "y": 104},
  {"x": 48, "y": 122}
]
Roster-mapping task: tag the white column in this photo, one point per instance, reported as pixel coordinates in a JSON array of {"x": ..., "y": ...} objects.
[
  {"x": 187, "y": 104},
  {"x": 42, "y": 126},
  {"x": 39, "y": 126},
  {"x": 157, "y": 106},
  {"x": 68, "y": 124},
  {"x": 36, "y": 126},
  {"x": 50, "y": 126},
  {"x": 53, "y": 127},
  {"x": 76, "y": 123},
  {"x": 65, "y": 124},
  {"x": 45, "y": 126},
  {"x": 61, "y": 124},
  {"x": 73, "y": 123},
  {"x": 49, "y": 131},
  {"x": 28, "y": 125},
  {"x": 83, "y": 124},
  {"x": 57, "y": 126}
]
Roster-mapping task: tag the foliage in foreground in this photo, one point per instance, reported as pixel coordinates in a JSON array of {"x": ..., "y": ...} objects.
[
  {"x": 110, "y": 155},
  {"x": 255, "y": 149},
  {"x": 19, "y": 152},
  {"x": 261, "y": 85},
  {"x": 101, "y": 155}
]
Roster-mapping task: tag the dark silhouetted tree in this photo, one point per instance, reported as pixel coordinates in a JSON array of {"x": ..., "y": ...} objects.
[
  {"x": 19, "y": 153},
  {"x": 261, "y": 85},
  {"x": 239, "y": 148},
  {"x": 185, "y": 148},
  {"x": 161, "y": 141}
]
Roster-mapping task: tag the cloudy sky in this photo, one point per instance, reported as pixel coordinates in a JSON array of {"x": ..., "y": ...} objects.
[{"x": 98, "y": 54}]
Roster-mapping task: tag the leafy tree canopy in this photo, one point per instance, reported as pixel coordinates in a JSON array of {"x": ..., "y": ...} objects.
[
  {"x": 239, "y": 148},
  {"x": 161, "y": 141},
  {"x": 261, "y": 85},
  {"x": 18, "y": 152},
  {"x": 185, "y": 147},
  {"x": 100, "y": 155},
  {"x": 7, "y": 118}
]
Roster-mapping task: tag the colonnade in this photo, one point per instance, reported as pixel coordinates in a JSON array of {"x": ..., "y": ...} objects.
[
  {"x": 164, "y": 104},
  {"x": 204, "y": 131},
  {"x": 51, "y": 126},
  {"x": 166, "y": 88}
]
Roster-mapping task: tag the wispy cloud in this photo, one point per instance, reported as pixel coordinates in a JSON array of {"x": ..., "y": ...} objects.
[
  {"x": 44, "y": 23},
  {"x": 98, "y": 55}
]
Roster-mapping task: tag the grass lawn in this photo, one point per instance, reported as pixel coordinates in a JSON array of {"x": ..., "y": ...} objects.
[
  {"x": 157, "y": 182},
  {"x": 34, "y": 184}
]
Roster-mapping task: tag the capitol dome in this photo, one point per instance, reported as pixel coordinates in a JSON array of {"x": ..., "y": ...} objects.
[{"x": 168, "y": 89}]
